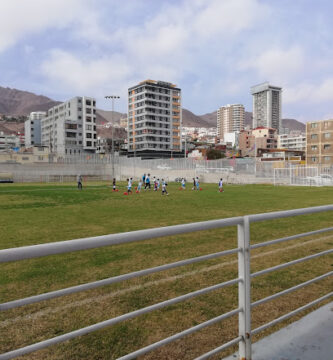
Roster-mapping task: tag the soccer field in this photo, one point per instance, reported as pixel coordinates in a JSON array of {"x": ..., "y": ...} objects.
[{"x": 34, "y": 214}]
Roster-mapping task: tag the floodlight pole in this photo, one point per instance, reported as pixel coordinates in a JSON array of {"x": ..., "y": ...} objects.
[{"x": 112, "y": 97}]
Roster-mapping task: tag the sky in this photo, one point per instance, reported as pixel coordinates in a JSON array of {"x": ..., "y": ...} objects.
[{"x": 214, "y": 50}]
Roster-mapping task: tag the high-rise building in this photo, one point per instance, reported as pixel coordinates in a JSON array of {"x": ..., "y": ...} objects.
[
  {"x": 154, "y": 119},
  {"x": 266, "y": 106},
  {"x": 319, "y": 143},
  {"x": 32, "y": 128},
  {"x": 70, "y": 128},
  {"x": 230, "y": 118}
]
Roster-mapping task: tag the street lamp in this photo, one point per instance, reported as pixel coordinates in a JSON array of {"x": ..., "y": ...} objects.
[{"x": 112, "y": 97}]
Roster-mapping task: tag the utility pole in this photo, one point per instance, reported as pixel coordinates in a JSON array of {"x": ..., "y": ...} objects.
[{"x": 112, "y": 97}]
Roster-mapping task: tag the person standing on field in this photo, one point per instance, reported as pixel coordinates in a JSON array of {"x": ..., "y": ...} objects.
[
  {"x": 79, "y": 182},
  {"x": 183, "y": 183},
  {"x": 221, "y": 185},
  {"x": 147, "y": 184},
  {"x": 114, "y": 184},
  {"x": 164, "y": 189}
]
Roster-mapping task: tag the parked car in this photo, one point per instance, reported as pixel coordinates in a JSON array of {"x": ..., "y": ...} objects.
[
  {"x": 163, "y": 167},
  {"x": 322, "y": 179}
]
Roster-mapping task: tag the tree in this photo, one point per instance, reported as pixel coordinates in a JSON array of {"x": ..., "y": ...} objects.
[{"x": 213, "y": 154}]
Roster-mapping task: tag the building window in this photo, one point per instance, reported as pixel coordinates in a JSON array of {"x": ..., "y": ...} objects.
[
  {"x": 313, "y": 159},
  {"x": 88, "y": 135},
  {"x": 327, "y": 158},
  {"x": 88, "y": 118},
  {"x": 314, "y": 125},
  {"x": 88, "y": 127},
  {"x": 327, "y": 135},
  {"x": 314, "y": 147},
  {"x": 327, "y": 146},
  {"x": 88, "y": 102},
  {"x": 88, "y": 143},
  {"x": 314, "y": 136}
]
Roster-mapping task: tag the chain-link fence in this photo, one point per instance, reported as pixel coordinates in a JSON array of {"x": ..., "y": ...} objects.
[{"x": 98, "y": 167}]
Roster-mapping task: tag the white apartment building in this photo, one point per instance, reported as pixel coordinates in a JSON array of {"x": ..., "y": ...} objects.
[
  {"x": 154, "y": 119},
  {"x": 9, "y": 142},
  {"x": 230, "y": 118},
  {"x": 266, "y": 106},
  {"x": 32, "y": 128},
  {"x": 70, "y": 128},
  {"x": 292, "y": 142}
]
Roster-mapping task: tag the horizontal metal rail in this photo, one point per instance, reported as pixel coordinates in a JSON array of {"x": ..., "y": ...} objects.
[
  {"x": 277, "y": 241},
  {"x": 290, "y": 314},
  {"x": 86, "y": 330},
  {"x": 294, "y": 288},
  {"x": 92, "y": 285},
  {"x": 288, "y": 213},
  {"x": 219, "y": 349},
  {"x": 61, "y": 247},
  {"x": 297, "y": 261},
  {"x": 180, "y": 335}
]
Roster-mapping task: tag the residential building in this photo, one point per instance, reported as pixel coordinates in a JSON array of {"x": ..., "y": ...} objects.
[
  {"x": 230, "y": 118},
  {"x": 9, "y": 142},
  {"x": 250, "y": 141},
  {"x": 232, "y": 137},
  {"x": 32, "y": 128},
  {"x": 319, "y": 143},
  {"x": 154, "y": 119},
  {"x": 70, "y": 128},
  {"x": 266, "y": 106},
  {"x": 246, "y": 143},
  {"x": 292, "y": 142},
  {"x": 123, "y": 122}
]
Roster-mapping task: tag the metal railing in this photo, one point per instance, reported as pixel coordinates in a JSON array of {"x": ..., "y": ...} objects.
[{"x": 244, "y": 279}]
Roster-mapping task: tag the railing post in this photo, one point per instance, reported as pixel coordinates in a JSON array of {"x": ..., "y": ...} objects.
[{"x": 244, "y": 289}]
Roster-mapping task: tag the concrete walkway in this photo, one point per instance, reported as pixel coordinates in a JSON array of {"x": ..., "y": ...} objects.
[{"x": 310, "y": 338}]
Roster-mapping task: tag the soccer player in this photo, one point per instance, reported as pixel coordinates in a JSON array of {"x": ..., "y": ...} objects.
[
  {"x": 158, "y": 184},
  {"x": 139, "y": 185},
  {"x": 79, "y": 182},
  {"x": 147, "y": 184},
  {"x": 221, "y": 185},
  {"x": 114, "y": 184},
  {"x": 164, "y": 189},
  {"x": 155, "y": 183},
  {"x": 129, "y": 185},
  {"x": 183, "y": 183},
  {"x": 197, "y": 183},
  {"x": 194, "y": 184}
]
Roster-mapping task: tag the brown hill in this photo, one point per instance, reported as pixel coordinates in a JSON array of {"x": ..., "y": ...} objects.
[
  {"x": 192, "y": 120},
  {"x": 15, "y": 102}
]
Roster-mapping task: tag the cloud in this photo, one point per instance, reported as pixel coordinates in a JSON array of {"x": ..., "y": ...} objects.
[
  {"x": 84, "y": 76},
  {"x": 280, "y": 66},
  {"x": 20, "y": 19},
  {"x": 311, "y": 93}
]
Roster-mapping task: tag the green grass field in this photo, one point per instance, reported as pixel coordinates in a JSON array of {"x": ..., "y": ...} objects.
[{"x": 34, "y": 214}]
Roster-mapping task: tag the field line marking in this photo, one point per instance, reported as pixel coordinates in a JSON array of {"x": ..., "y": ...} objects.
[{"x": 150, "y": 283}]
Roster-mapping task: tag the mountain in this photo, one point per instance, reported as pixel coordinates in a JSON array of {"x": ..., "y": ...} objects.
[
  {"x": 15, "y": 102},
  {"x": 192, "y": 120}
]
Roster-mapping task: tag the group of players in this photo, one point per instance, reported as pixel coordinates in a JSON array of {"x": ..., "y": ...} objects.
[{"x": 145, "y": 183}]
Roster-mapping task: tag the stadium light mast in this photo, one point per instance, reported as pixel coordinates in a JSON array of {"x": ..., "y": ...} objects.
[{"x": 112, "y": 97}]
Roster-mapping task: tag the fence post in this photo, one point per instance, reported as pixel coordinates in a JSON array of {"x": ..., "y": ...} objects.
[{"x": 244, "y": 289}]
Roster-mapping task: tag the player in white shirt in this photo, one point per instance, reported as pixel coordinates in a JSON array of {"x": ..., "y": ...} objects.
[
  {"x": 183, "y": 184},
  {"x": 221, "y": 185},
  {"x": 164, "y": 190}
]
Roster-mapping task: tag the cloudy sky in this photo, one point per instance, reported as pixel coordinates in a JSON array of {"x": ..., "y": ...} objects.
[{"x": 215, "y": 50}]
